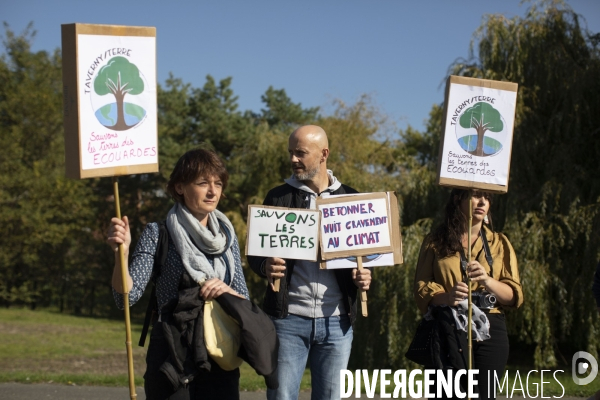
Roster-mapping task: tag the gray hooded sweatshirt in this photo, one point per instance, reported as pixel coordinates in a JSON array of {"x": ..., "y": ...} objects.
[{"x": 314, "y": 292}]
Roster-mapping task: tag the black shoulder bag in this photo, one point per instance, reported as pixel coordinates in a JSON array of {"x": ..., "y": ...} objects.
[
  {"x": 160, "y": 257},
  {"x": 424, "y": 348}
]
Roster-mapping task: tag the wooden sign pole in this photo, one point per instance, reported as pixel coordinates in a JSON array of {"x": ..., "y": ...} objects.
[
  {"x": 470, "y": 313},
  {"x": 132, "y": 393},
  {"x": 362, "y": 293}
]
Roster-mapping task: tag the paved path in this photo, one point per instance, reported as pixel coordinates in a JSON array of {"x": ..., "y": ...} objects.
[{"x": 41, "y": 391}]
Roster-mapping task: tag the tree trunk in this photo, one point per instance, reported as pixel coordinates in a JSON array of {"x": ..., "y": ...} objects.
[
  {"x": 120, "y": 125},
  {"x": 479, "y": 148},
  {"x": 62, "y": 296},
  {"x": 92, "y": 298}
]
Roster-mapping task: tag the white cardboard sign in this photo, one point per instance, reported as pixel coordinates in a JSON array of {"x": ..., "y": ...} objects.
[
  {"x": 118, "y": 118},
  {"x": 355, "y": 225},
  {"x": 372, "y": 260},
  {"x": 288, "y": 233},
  {"x": 477, "y": 140}
]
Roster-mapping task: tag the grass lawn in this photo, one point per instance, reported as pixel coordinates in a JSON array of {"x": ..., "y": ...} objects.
[{"x": 45, "y": 346}]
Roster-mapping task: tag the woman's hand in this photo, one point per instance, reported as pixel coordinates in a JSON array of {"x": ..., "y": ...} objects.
[
  {"x": 504, "y": 293},
  {"x": 459, "y": 292},
  {"x": 213, "y": 288},
  {"x": 478, "y": 274},
  {"x": 119, "y": 233}
]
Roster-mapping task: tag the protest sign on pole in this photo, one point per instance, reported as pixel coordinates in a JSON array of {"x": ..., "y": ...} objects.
[
  {"x": 110, "y": 114},
  {"x": 289, "y": 233},
  {"x": 477, "y": 133},
  {"x": 476, "y": 146},
  {"x": 357, "y": 225}
]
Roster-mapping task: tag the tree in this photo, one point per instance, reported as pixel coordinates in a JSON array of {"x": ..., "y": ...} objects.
[
  {"x": 119, "y": 77},
  {"x": 46, "y": 217},
  {"x": 552, "y": 210},
  {"x": 483, "y": 117},
  {"x": 281, "y": 110}
]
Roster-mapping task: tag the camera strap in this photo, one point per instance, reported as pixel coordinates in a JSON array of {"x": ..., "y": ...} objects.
[
  {"x": 488, "y": 253},
  {"x": 488, "y": 257}
]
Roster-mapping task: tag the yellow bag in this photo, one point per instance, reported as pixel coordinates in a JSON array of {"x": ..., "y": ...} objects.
[{"x": 221, "y": 336}]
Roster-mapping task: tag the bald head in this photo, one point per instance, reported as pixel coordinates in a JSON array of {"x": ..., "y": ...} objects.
[
  {"x": 309, "y": 148},
  {"x": 313, "y": 134}
]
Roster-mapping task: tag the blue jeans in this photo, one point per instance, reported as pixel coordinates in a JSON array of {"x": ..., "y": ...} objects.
[{"x": 324, "y": 342}]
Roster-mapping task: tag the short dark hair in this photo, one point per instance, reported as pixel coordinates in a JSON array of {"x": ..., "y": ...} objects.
[{"x": 192, "y": 165}]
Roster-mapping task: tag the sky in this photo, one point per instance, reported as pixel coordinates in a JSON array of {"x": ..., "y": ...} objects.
[{"x": 397, "y": 52}]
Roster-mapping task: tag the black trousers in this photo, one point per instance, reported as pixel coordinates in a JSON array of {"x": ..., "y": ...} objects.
[
  {"x": 215, "y": 385},
  {"x": 489, "y": 357}
]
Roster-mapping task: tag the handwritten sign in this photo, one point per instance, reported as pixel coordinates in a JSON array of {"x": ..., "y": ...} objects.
[
  {"x": 288, "y": 233},
  {"x": 477, "y": 136},
  {"x": 380, "y": 259},
  {"x": 354, "y": 225},
  {"x": 109, "y": 79}
]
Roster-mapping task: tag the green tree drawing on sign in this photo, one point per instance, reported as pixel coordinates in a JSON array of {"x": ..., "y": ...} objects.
[
  {"x": 119, "y": 77},
  {"x": 483, "y": 117}
]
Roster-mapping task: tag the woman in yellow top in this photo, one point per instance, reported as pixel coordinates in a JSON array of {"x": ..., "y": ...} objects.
[{"x": 440, "y": 279}]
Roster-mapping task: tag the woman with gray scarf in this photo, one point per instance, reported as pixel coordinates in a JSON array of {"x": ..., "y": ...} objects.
[{"x": 202, "y": 244}]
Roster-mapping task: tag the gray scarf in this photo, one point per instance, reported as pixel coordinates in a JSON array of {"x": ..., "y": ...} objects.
[{"x": 193, "y": 241}]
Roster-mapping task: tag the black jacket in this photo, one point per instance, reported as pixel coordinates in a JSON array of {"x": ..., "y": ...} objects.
[
  {"x": 182, "y": 325},
  {"x": 276, "y": 303}
]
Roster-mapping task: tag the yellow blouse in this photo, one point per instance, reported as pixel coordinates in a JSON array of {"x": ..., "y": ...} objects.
[{"x": 438, "y": 275}]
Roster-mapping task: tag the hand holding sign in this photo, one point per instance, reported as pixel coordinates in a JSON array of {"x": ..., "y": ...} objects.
[
  {"x": 362, "y": 279},
  {"x": 274, "y": 269}
]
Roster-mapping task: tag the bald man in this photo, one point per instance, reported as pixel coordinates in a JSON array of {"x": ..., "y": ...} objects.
[{"x": 314, "y": 309}]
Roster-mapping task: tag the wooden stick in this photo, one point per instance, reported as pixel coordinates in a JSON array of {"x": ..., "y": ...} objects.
[
  {"x": 132, "y": 393},
  {"x": 470, "y": 313},
  {"x": 362, "y": 293}
]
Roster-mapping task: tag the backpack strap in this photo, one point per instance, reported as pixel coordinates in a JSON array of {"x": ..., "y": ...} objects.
[{"x": 160, "y": 257}]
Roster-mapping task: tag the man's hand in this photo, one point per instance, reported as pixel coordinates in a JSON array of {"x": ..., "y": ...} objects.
[
  {"x": 274, "y": 269},
  {"x": 362, "y": 278}
]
